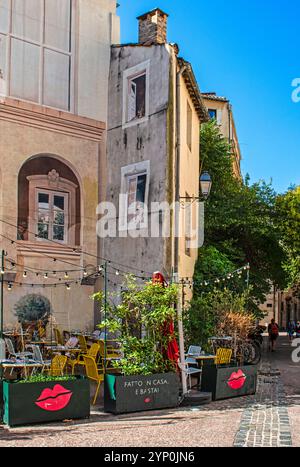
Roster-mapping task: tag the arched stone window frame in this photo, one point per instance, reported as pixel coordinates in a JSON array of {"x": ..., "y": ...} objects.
[{"x": 55, "y": 184}]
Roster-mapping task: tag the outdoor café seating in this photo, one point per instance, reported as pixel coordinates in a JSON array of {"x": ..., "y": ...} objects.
[
  {"x": 93, "y": 373},
  {"x": 190, "y": 371},
  {"x": 12, "y": 352},
  {"x": 79, "y": 360},
  {"x": 38, "y": 357},
  {"x": 58, "y": 365},
  {"x": 223, "y": 356}
]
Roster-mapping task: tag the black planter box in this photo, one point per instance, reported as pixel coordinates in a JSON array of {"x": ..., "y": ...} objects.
[
  {"x": 124, "y": 394},
  {"x": 26, "y": 403},
  {"x": 226, "y": 382},
  {"x": 1, "y": 401}
]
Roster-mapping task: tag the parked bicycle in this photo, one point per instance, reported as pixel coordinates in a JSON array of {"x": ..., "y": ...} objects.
[{"x": 245, "y": 351}]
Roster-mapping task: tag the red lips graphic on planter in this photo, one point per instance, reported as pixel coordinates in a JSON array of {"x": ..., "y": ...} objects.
[
  {"x": 54, "y": 399},
  {"x": 237, "y": 380}
]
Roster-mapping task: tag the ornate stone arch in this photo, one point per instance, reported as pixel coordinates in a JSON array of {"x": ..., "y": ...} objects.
[{"x": 53, "y": 173}]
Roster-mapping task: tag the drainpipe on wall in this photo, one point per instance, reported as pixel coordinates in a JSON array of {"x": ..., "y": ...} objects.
[
  {"x": 229, "y": 122},
  {"x": 177, "y": 226}
]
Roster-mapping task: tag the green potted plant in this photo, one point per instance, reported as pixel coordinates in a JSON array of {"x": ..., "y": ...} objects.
[
  {"x": 147, "y": 377},
  {"x": 44, "y": 398}
]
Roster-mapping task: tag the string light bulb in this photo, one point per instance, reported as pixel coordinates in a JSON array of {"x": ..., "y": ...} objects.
[
  {"x": 66, "y": 275},
  {"x": 9, "y": 287},
  {"x": 46, "y": 275},
  {"x": 68, "y": 287}
]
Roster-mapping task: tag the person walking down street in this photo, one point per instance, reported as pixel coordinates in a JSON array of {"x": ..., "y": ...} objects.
[
  {"x": 297, "y": 329},
  {"x": 291, "y": 329},
  {"x": 273, "y": 330}
]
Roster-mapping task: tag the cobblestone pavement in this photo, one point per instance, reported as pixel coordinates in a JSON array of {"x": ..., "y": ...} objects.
[
  {"x": 265, "y": 423},
  {"x": 270, "y": 418}
]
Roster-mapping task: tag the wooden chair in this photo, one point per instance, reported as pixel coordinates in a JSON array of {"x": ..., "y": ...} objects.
[
  {"x": 93, "y": 373},
  {"x": 91, "y": 352},
  {"x": 223, "y": 356}
]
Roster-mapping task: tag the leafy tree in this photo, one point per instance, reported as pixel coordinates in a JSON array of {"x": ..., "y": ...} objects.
[
  {"x": 208, "y": 310},
  {"x": 241, "y": 227},
  {"x": 288, "y": 206},
  {"x": 241, "y": 220}
]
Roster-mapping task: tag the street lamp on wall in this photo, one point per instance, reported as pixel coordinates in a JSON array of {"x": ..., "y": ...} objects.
[
  {"x": 205, "y": 185},
  {"x": 205, "y": 188}
]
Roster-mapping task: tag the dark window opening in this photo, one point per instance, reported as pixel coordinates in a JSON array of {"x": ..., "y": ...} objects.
[
  {"x": 213, "y": 114},
  {"x": 137, "y": 98}
]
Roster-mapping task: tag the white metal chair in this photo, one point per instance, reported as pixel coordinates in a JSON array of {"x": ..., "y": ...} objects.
[
  {"x": 38, "y": 357},
  {"x": 194, "y": 350},
  {"x": 11, "y": 350},
  {"x": 190, "y": 371}
]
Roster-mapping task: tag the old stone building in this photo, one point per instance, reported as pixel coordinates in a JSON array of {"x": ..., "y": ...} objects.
[
  {"x": 54, "y": 66},
  {"x": 155, "y": 111},
  {"x": 220, "y": 109}
]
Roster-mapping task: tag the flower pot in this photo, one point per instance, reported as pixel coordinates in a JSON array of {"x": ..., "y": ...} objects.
[
  {"x": 26, "y": 403},
  {"x": 226, "y": 381},
  {"x": 124, "y": 394}
]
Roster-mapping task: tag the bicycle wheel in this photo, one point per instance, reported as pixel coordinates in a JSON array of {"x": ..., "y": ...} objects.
[{"x": 252, "y": 353}]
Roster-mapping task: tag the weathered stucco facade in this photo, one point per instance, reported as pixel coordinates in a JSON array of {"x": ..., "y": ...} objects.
[
  {"x": 155, "y": 110},
  {"x": 52, "y": 159},
  {"x": 221, "y": 109}
]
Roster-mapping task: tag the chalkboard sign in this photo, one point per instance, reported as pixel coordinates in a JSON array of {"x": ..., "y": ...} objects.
[{"x": 123, "y": 394}]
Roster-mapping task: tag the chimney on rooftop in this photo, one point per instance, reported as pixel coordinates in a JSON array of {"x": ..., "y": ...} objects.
[{"x": 153, "y": 27}]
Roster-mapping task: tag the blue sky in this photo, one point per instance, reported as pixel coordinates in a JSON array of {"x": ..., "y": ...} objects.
[{"x": 249, "y": 52}]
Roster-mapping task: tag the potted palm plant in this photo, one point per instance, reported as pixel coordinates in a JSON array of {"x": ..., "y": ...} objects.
[{"x": 145, "y": 376}]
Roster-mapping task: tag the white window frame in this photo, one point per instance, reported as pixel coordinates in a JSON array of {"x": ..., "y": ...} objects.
[
  {"x": 41, "y": 184},
  {"x": 6, "y": 88},
  {"x": 128, "y": 76},
  {"x": 52, "y": 194},
  {"x": 130, "y": 171}
]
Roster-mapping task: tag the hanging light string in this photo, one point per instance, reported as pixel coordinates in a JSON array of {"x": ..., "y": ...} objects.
[
  {"x": 118, "y": 271},
  {"x": 53, "y": 274},
  {"x": 100, "y": 258},
  {"x": 67, "y": 281},
  {"x": 216, "y": 281}
]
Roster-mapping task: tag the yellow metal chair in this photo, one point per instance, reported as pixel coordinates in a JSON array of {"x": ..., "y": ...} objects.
[
  {"x": 91, "y": 352},
  {"x": 58, "y": 364},
  {"x": 82, "y": 343},
  {"x": 110, "y": 353},
  {"x": 223, "y": 356},
  {"x": 41, "y": 330},
  {"x": 92, "y": 373},
  {"x": 58, "y": 336}
]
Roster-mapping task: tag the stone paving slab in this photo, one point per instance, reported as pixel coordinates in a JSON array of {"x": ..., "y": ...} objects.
[{"x": 266, "y": 422}]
